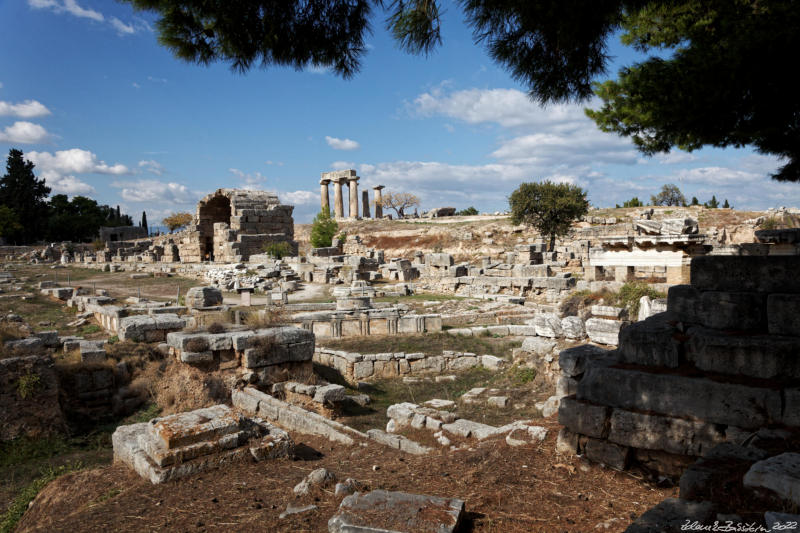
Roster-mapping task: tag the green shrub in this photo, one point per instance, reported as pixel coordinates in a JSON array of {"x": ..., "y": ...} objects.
[
  {"x": 521, "y": 375},
  {"x": 279, "y": 250},
  {"x": 323, "y": 229},
  {"x": 630, "y": 293},
  {"x": 28, "y": 385},
  {"x": 88, "y": 330}
]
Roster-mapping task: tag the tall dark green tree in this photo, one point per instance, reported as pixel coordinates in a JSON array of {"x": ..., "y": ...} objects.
[
  {"x": 144, "y": 221},
  {"x": 716, "y": 75},
  {"x": 24, "y": 193},
  {"x": 549, "y": 207}
]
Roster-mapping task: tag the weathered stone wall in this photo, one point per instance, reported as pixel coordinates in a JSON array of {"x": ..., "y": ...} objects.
[
  {"x": 29, "y": 391},
  {"x": 355, "y": 367},
  {"x": 718, "y": 365}
]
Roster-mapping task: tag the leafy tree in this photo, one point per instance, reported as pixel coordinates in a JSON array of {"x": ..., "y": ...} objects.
[
  {"x": 670, "y": 195},
  {"x": 23, "y": 192},
  {"x": 9, "y": 222},
  {"x": 549, "y": 207},
  {"x": 467, "y": 212},
  {"x": 177, "y": 220},
  {"x": 726, "y": 205},
  {"x": 399, "y": 201},
  {"x": 723, "y": 83},
  {"x": 323, "y": 229},
  {"x": 633, "y": 202},
  {"x": 695, "y": 201}
]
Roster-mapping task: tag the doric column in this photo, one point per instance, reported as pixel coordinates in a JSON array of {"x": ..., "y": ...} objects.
[
  {"x": 378, "y": 201},
  {"x": 325, "y": 201},
  {"x": 365, "y": 204},
  {"x": 352, "y": 184},
  {"x": 338, "y": 201}
]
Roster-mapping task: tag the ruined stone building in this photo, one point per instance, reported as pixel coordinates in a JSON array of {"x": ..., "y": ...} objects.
[{"x": 230, "y": 225}]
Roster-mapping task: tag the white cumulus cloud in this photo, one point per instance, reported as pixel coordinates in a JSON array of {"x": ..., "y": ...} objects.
[
  {"x": 69, "y": 185},
  {"x": 24, "y": 133},
  {"x": 253, "y": 181},
  {"x": 299, "y": 198},
  {"x": 73, "y": 8},
  {"x": 155, "y": 191},
  {"x": 73, "y": 161},
  {"x": 26, "y": 109},
  {"x": 341, "y": 144},
  {"x": 342, "y": 165}
]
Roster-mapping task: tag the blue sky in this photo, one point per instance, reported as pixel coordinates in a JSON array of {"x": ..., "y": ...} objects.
[{"x": 104, "y": 111}]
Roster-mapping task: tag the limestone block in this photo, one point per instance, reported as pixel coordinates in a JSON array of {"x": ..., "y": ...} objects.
[
  {"x": 462, "y": 363},
  {"x": 607, "y": 453},
  {"x": 197, "y": 358},
  {"x": 672, "y": 435},
  {"x": 279, "y": 345},
  {"x": 191, "y": 427},
  {"x": 741, "y": 311},
  {"x": 679, "y": 396},
  {"x": 783, "y": 314},
  {"x": 572, "y": 327},
  {"x": 567, "y": 442},
  {"x": 363, "y": 369},
  {"x": 769, "y": 274},
  {"x": 574, "y": 361},
  {"x": 380, "y": 510},
  {"x": 671, "y": 514},
  {"x": 779, "y": 474},
  {"x": 386, "y": 369},
  {"x": 203, "y": 297},
  {"x": 683, "y": 301},
  {"x": 497, "y": 401},
  {"x": 467, "y": 428},
  {"x": 604, "y": 331},
  {"x": 538, "y": 345},
  {"x": 498, "y": 330},
  {"x": 329, "y": 394},
  {"x": 547, "y": 325},
  {"x": 491, "y": 362},
  {"x": 566, "y": 386},
  {"x": 762, "y": 356},
  {"x": 25, "y": 346},
  {"x": 650, "y": 342},
  {"x": 583, "y": 418},
  {"x": 49, "y": 338},
  {"x": 608, "y": 311},
  {"x": 514, "y": 329}
]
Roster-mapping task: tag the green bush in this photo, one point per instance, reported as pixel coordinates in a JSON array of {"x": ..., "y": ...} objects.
[
  {"x": 28, "y": 385},
  {"x": 467, "y": 212},
  {"x": 279, "y": 250},
  {"x": 323, "y": 229},
  {"x": 630, "y": 293}
]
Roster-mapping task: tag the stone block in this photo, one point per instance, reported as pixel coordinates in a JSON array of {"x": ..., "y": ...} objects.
[
  {"x": 779, "y": 474},
  {"x": 574, "y": 361},
  {"x": 363, "y": 369},
  {"x": 538, "y": 345},
  {"x": 380, "y": 511},
  {"x": 672, "y": 435},
  {"x": 566, "y": 386},
  {"x": 194, "y": 426},
  {"x": 26, "y": 346},
  {"x": 567, "y": 442},
  {"x": 572, "y": 327},
  {"x": 683, "y": 301},
  {"x": 679, "y": 396},
  {"x": 783, "y": 314},
  {"x": 197, "y": 297},
  {"x": 547, "y": 325},
  {"x": 583, "y": 418},
  {"x": 329, "y": 394},
  {"x": 608, "y": 311},
  {"x": 607, "y": 453},
  {"x": 741, "y": 311},
  {"x": 491, "y": 362},
  {"x": 671, "y": 514},
  {"x": 467, "y": 428},
  {"x": 497, "y": 401},
  {"x": 49, "y": 338},
  {"x": 604, "y": 331},
  {"x": 760, "y": 356},
  {"x": 768, "y": 274},
  {"x": 462, "y": 363},
  {"x": 650, "y": 342},
  {"x": 279, "y": 345}
]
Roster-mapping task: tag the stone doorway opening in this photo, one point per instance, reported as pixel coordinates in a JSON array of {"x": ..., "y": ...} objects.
[{"x": 216, "y": 210}]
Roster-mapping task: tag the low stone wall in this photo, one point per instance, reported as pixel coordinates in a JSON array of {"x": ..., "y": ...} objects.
[
  {"x": 29, "y": 394},
  {"x": 720, "y": 364},
  {"x": 355, "y": 367},
  {"x": 370, "y": 322}
]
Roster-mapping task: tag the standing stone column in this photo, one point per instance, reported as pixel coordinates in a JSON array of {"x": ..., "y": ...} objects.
[
  {"x": 352, "y": 184},
  {"x": 378, "y": 200},
  {"x": 325, "y": 202},
  {"x": 338, "y": 202},
  {"x": 365, "y": 204}
]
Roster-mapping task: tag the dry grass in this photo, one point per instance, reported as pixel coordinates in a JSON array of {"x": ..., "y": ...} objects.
[{"x": 270, "y": 317}]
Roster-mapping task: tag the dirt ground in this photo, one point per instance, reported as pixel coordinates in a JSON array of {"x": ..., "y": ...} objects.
[{"x": 530, "y": 488}]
